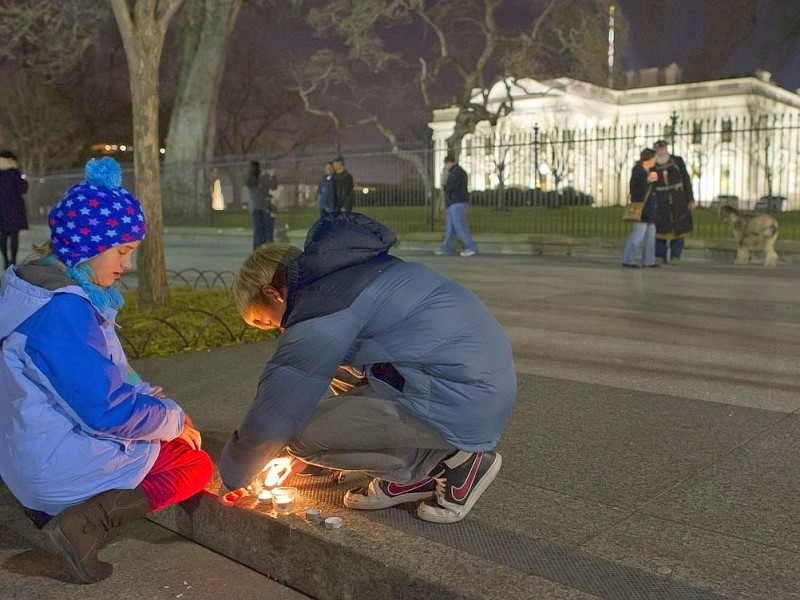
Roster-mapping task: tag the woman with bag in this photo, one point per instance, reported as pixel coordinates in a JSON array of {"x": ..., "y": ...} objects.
[{"x": 643, "y": 234}]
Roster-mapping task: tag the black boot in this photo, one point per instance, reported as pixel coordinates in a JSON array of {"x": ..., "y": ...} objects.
[{"x": 77, "y": 532}]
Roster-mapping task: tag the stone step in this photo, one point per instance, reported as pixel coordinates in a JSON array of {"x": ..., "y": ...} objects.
[{"x": 367, "y": 558}]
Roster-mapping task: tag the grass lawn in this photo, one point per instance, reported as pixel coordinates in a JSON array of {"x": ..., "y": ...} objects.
[
  {"x": 578, "y": 221},
  {"x": 196, "y": 319}
]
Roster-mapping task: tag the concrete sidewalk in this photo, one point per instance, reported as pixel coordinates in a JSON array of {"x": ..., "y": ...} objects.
[{"x": 652, "y": 452}]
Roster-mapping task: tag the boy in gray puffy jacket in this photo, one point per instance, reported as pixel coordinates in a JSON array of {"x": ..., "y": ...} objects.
[{"x": 434, "y": 380}]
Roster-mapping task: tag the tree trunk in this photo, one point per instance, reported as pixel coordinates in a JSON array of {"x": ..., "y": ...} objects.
[
  {"x": 152, "y": 270},
  {"x": 142, "y": 29},
  {"x": 192, "y": 133}
]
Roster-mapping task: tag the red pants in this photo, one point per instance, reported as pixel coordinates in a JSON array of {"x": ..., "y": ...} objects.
[{"x": 178, "y": 473}]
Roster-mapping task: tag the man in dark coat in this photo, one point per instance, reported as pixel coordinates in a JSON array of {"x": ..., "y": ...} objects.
[
  {"x": 12, "y": 207},
  {"x": 674, "y": 204},
  {"x": 344, "y": 195}
]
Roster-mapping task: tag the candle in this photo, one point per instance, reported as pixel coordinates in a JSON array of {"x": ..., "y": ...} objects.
[
  {"x": 314, "y": 515},
  {"x": 283, "y": 500}
]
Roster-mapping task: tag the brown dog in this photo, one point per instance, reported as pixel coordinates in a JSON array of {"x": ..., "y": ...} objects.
[{"x": 752, "y": 231}]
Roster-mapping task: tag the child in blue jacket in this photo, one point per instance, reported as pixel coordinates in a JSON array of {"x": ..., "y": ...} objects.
[
  {"x": 434, "y": 381},
  {"x": 86, "y": 445}
]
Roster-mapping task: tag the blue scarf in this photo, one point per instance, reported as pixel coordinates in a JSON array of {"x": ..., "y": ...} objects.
[{"x": 101, "y": 298}]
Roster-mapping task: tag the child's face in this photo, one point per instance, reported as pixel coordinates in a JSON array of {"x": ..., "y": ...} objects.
[
  {"x": 111, "y": 264},
  {"x": 268, "y": 313}
]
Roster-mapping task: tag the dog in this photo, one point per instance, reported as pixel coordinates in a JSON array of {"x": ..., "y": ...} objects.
[{"x": 752, "y": 231}]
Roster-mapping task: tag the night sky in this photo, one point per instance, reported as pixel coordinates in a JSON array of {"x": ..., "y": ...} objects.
[{"x": 686, "y": 37}]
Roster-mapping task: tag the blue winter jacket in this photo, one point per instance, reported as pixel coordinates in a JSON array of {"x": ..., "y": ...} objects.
[
  {"x": 72, "y": 426},
  {"x": 349, "y": 302}
]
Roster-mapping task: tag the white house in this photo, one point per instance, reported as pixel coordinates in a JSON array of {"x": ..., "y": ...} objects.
[{"x": 738, "y": 136}]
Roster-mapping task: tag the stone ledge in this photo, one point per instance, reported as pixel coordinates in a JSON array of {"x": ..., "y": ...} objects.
[{"x": 364, "y": 559}]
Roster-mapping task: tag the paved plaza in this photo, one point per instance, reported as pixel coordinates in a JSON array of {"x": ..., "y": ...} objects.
[{"x": 652, "y": 454}]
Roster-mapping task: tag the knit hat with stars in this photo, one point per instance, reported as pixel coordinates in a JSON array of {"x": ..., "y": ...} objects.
[{"x": 95, "y": 215}]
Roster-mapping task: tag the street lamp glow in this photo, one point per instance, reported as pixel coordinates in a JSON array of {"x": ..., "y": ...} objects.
[{"x": 544, "y": 169}]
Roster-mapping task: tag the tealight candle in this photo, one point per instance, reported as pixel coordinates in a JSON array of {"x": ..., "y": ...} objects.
[
  {"x": 283, "y": 499},
  {"x": 314, "y": 515},
  {"x": 264, "y": 495}
]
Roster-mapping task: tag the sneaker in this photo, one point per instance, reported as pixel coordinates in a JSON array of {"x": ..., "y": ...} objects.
[
  {"x": 383, "y": 494},
  {"x": 630, "y": 265},
  {"x": 469, "y": 252},
  {"x": 441, "y": 252},
  {"x": 459, "y": 487}
]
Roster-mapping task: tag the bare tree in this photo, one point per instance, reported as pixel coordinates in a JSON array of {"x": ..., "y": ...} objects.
[
  {"x": 258, "y": 115},
  {"x": 463, "y": 48},
  {"x": 142, "y": 28},
  {"x": 37, "y": 117},
  {"x": 48, "y": 37},
  {"x": 191, "y": 140},
  {"x": 763, "y": 145},
  {"x": 39, "y": 122}
]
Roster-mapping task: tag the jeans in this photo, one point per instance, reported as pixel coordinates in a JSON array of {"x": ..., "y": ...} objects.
[
  {"x": 456, "y": 226},
  {"x": 675, "y": 249},
  {"x": 641, "y": 232}
]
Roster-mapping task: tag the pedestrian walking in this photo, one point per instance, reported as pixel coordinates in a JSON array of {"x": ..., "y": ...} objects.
[{"x": 456, "y": 201}]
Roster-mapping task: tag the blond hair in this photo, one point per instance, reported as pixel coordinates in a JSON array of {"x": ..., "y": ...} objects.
[
  {"x": 42, "y": 250},
  {"x": 265, "y": 266}
]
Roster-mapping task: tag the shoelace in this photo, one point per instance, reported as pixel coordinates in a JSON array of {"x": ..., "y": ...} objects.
[{"x": 441, "y": 489}]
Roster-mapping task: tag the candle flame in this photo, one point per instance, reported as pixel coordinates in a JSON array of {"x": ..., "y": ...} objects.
[{"x": 276, "y": 471}]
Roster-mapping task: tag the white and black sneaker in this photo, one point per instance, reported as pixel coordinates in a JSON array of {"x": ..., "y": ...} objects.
[
  {"x": 460, "y": 485},
  {"x": 380, "y": 493}
]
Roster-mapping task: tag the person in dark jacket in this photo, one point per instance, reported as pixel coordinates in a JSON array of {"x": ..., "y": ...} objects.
[
  {"x": 430, "y": 377},
  {"x": 325, "y": 191},
  {"x": 344, "y": 196},
  {"x": 259, "y": 186},
  {"x": 674, "y": 204},
  {"x": 12, "y": 207},
  {"x": 641, "y": 189},
  {"x": 456, "y": 201}
]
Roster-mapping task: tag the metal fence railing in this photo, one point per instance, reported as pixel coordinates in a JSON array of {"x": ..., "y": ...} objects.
[{"x": 547, "y": 180}]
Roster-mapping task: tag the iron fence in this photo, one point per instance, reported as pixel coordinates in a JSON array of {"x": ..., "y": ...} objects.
[{"x": 545, "y": 180}]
